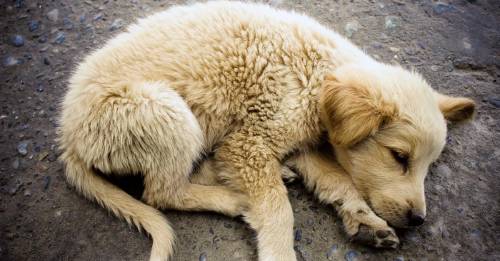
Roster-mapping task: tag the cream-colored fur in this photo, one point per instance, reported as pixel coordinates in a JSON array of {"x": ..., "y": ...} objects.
[{"x": 250, "y": 83}]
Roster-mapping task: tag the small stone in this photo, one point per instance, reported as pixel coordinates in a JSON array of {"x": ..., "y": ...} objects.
[
  {"x": 68, "y": 25},
  {"x": 43, "y": 155},
  {"x": 466, "y": 43},
  {"x": 58, "y": 213},
  {"x": 394, "y": 49},
  {"x": 17, "y": 40},
  {"x": 22, "y": 148},
  {"x": 443, "y": 170},
  {"x": 441, "y": 7},
  {"x": 399, "y": 258},
  {"x": 11, "y": 61},
  {"x": 27, "y": 193},
  {"x": 39, "y": 88},
  {"x": 392, "y": 22},
  {"x": 351, "y": 27},
  {"x": 19, "y": 3},
  {"x": 330, "y": 255},
  {"x": 434, "y": 68},
  {"x": 42, "y": 39},
  {"x": 203, "y": 257},
  {"x": 16, "y": 163},
  {"x": 298, "y": 235},
  {"x": 82, "y": 18},
  {"x": 60, "y": 37},
  {"x": 53, "y": 15},
  {"x": 351, "y": 255},
  {"x": 46, "y": 61},
  {"x": 34, "y": 25},
  {"x": 117, "y": 24},
  {"x": 46, "y": 181},
  {"x": 98, "y": 16},
  {"x": 495, "y": 102}
]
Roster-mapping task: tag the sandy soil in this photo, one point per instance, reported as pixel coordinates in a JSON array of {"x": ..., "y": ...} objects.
[{"x": 455, "y": 44}]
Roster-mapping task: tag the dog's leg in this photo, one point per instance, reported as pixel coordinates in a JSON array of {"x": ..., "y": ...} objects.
[
  {"x": 246, "y": 163},
  {"x": 332, "y": 185}
]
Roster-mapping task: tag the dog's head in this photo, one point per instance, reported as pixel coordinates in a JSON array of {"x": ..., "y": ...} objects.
[{"x": 387, "y": 126}]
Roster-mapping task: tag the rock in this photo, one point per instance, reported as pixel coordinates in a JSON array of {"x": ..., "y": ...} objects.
[
  {"x": 117, "y": 24},
  {"x": 495, "y": 102},
  {"x": 434, "y": 68},
  {"x": 42, "y": 38},
  {"x": 60, "y": 37},
  {"x": 19, "y": 4},
  {"x": 399, "y": 258},
  {"x": 441, "y": 7},
  {"x": 27, "y": 193},
  {"x": 351, "y": 27},
  {"x": 330, "y": 255},
  {"x": 46, "y": 61},
  {"x": 17, "y": 40},
  {"x": 16, "y": 163},
  {"x": 82, "y": 18},
  {"x": 298, "y": 234},
  {"x": 53, "y": 15},
  {"x": 22, "y": 148},
  {"x": 11, "y": 61},
  {"x": 351, "y": 255},
  {"x": 98, "y": 16},
  {"x": 68, "y": 25},
  {"x": 392, "y": 22},
  {"x": 46, "y": 181},
  {"x": 203, "y": 257},
  {"x": 34, "y": 25},
  {"x": 443, "y": 170}
]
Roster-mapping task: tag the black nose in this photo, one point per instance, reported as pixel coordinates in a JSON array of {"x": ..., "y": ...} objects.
[{"x": 415, "y": 218}]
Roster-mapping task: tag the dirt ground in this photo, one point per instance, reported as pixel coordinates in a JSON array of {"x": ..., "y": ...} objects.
[{"x": 455, "y": 45}]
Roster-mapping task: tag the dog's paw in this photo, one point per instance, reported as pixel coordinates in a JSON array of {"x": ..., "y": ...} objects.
[
  {"x": 382, "y": 238},
  {"x": 288, "y": 175},
  {"x": 365, "y": 227}
]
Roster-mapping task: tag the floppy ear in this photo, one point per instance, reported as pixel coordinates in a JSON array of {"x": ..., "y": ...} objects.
[
  {"x": 455, "y": 109},
  {"x": 352, "y": 112}
]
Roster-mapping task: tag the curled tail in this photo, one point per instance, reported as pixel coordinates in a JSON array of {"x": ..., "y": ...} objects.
[{"x": 122, "y": 205}]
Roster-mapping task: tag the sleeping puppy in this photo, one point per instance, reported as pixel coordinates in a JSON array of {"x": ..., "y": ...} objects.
[{"x": 252, "y": 84}]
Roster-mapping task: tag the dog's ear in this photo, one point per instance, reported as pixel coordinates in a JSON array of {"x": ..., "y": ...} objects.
[
  {"x": 455, "y": 109},
  {"x": 352, "y": 112}
]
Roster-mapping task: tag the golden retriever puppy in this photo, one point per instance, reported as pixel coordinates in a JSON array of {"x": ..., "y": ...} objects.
[{"x": 252, "y": 84}]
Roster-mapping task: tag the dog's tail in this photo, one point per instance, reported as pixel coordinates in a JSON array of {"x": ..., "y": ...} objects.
[{"x": 122, "y": 205}]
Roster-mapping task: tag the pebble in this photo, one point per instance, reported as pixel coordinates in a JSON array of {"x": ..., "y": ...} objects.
[
  {"x": 351, "y": 255},
  {"x": 16, "y": 163},
  {"x": 46, "y": 61},
  {"x": 298, "y": 235},
  {"x": 42, "y": 39},
  {"x": 98, "y": 16},
  {"x": 351, "y": 27},
  {"x": 441, "y": 7},
  {"x": 17, "y": 40},
  {"x": 46, "y": 181},
  {"x": 495, "y": 102},
  {"x": 117, "y": 24},
  {"x": 392, "y": 22},
  {"x": 53, "y": 15},
  {"x": 11, "y": 61},
  {"x": 34, "y": 25},
  {"x": 22, "y": 148},
  {"x": 67, "y": 23},
  {"x": 203, "y": 257},
  {"x": 434, "y": 68},
  {"x": 82, "y": 18},
  {"x": 399, "y": 258},
  {"x": 60, "y": 37},
  {"x": 27, "y": 193},
  {"x": 330, "y": 255}
]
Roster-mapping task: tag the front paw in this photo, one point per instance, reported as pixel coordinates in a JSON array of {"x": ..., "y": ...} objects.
[
  {"x": 365, "y": 227},
  {"x": 381, "y": 238}
]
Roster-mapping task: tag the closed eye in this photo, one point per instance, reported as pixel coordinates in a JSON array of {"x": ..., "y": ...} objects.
[{"x": 400, "y": 158}]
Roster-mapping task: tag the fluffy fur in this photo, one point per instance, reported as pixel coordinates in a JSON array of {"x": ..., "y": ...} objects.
[{"x": 252, "y": 84}]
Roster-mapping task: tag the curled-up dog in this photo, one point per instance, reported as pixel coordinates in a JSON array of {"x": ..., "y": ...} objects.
[{"x": 251, "y": 84}]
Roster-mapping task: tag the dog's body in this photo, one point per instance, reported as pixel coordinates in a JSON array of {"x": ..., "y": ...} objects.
[{"x": 247, "y": 81}]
